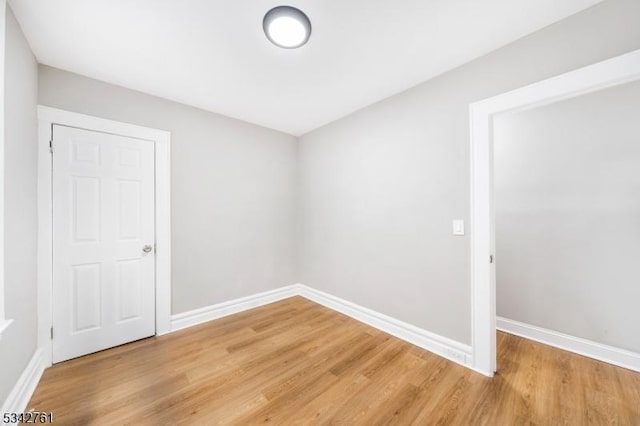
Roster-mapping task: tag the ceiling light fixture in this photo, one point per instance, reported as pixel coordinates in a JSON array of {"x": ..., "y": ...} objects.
[{"x": 287, "y": 27}]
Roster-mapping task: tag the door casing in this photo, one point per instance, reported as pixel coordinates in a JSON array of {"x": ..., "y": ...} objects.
[
  {"x": 47, "y": 117},
  {"x": 611, "y": 72}
]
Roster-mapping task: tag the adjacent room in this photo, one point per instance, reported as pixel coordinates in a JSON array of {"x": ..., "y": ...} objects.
[{"x": 320, "y": 212}]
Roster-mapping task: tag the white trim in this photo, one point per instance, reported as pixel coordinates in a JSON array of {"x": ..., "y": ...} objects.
[
  {"x": 219, "y": 310},
  {"x": 4, "y": 322},
  {"x": 619, "y": 70},
  {"x": 47, "y": 117},
  {"x": 443, "y": 346},
  {"x": 610, "y": 354},
  {"x": 22, "y": 391},
  {"x": 439, "y": 345},
  {"x": 455, "y": 351}
]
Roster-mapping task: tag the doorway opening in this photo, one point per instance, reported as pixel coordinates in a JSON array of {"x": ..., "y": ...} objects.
[{"x": 609, "y": 73}]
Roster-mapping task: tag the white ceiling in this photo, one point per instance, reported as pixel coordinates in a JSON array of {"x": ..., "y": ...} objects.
[{"x": 213, "y": 54}]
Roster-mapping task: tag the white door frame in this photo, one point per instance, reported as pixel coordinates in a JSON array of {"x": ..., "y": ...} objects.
[
  {"x": 612, "y": 72},
  {"x": 47, "y": 117}
]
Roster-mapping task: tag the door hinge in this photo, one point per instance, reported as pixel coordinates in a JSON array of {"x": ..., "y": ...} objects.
[
  {"x": 490, "y": 258},
  {"x": 51, "y": 146},
  {"x": 51, "y": 333}
]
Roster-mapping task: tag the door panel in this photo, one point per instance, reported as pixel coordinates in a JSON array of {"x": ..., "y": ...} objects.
[
  {"x": 103, "y": 216},
  {"x": 85, "y": 209},
  {"x": 129, "y": 201},
  {"x": 129, "y": 289},
  {"x": 86, "y": 287}
]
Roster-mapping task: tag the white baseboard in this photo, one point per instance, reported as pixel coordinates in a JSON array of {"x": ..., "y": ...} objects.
[
  {"x": 443, "y": 346},
  {"x": 219, "y": 310},
  {"x": 612, "y": 355},
  {"x": 22, "y": 391}
]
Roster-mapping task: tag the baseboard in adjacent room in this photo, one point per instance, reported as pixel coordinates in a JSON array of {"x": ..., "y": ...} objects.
[
  {"x": 22, "y": 391},
  {"x": 610, "y": 354},
  {"x": 219, "y": 310}
]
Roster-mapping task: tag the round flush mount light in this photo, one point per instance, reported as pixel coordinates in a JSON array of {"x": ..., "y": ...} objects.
[{"x": 287, "y": 27}]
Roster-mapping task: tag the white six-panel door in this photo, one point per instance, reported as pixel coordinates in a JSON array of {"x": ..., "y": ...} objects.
[{"x": 103, "y": 241}]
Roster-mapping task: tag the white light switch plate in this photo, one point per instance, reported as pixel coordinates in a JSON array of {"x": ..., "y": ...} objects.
[{"x": 458, "y": 227}]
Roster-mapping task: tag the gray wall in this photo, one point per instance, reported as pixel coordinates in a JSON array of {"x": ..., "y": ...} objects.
[
  {"x": 20, "y": 203},
  {"x": 567, "y": 188},
  {"x": 379, "y": 188},
  {"x": 232, "y": 186}
]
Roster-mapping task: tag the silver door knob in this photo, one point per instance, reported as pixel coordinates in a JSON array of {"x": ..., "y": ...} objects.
[{"x": 147, "y": 248}]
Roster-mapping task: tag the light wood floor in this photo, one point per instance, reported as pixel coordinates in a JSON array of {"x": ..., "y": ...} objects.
[{"x": 295, "y": 362}]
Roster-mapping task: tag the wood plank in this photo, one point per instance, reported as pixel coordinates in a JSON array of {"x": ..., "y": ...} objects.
[{"x": 296, "y": 362}]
